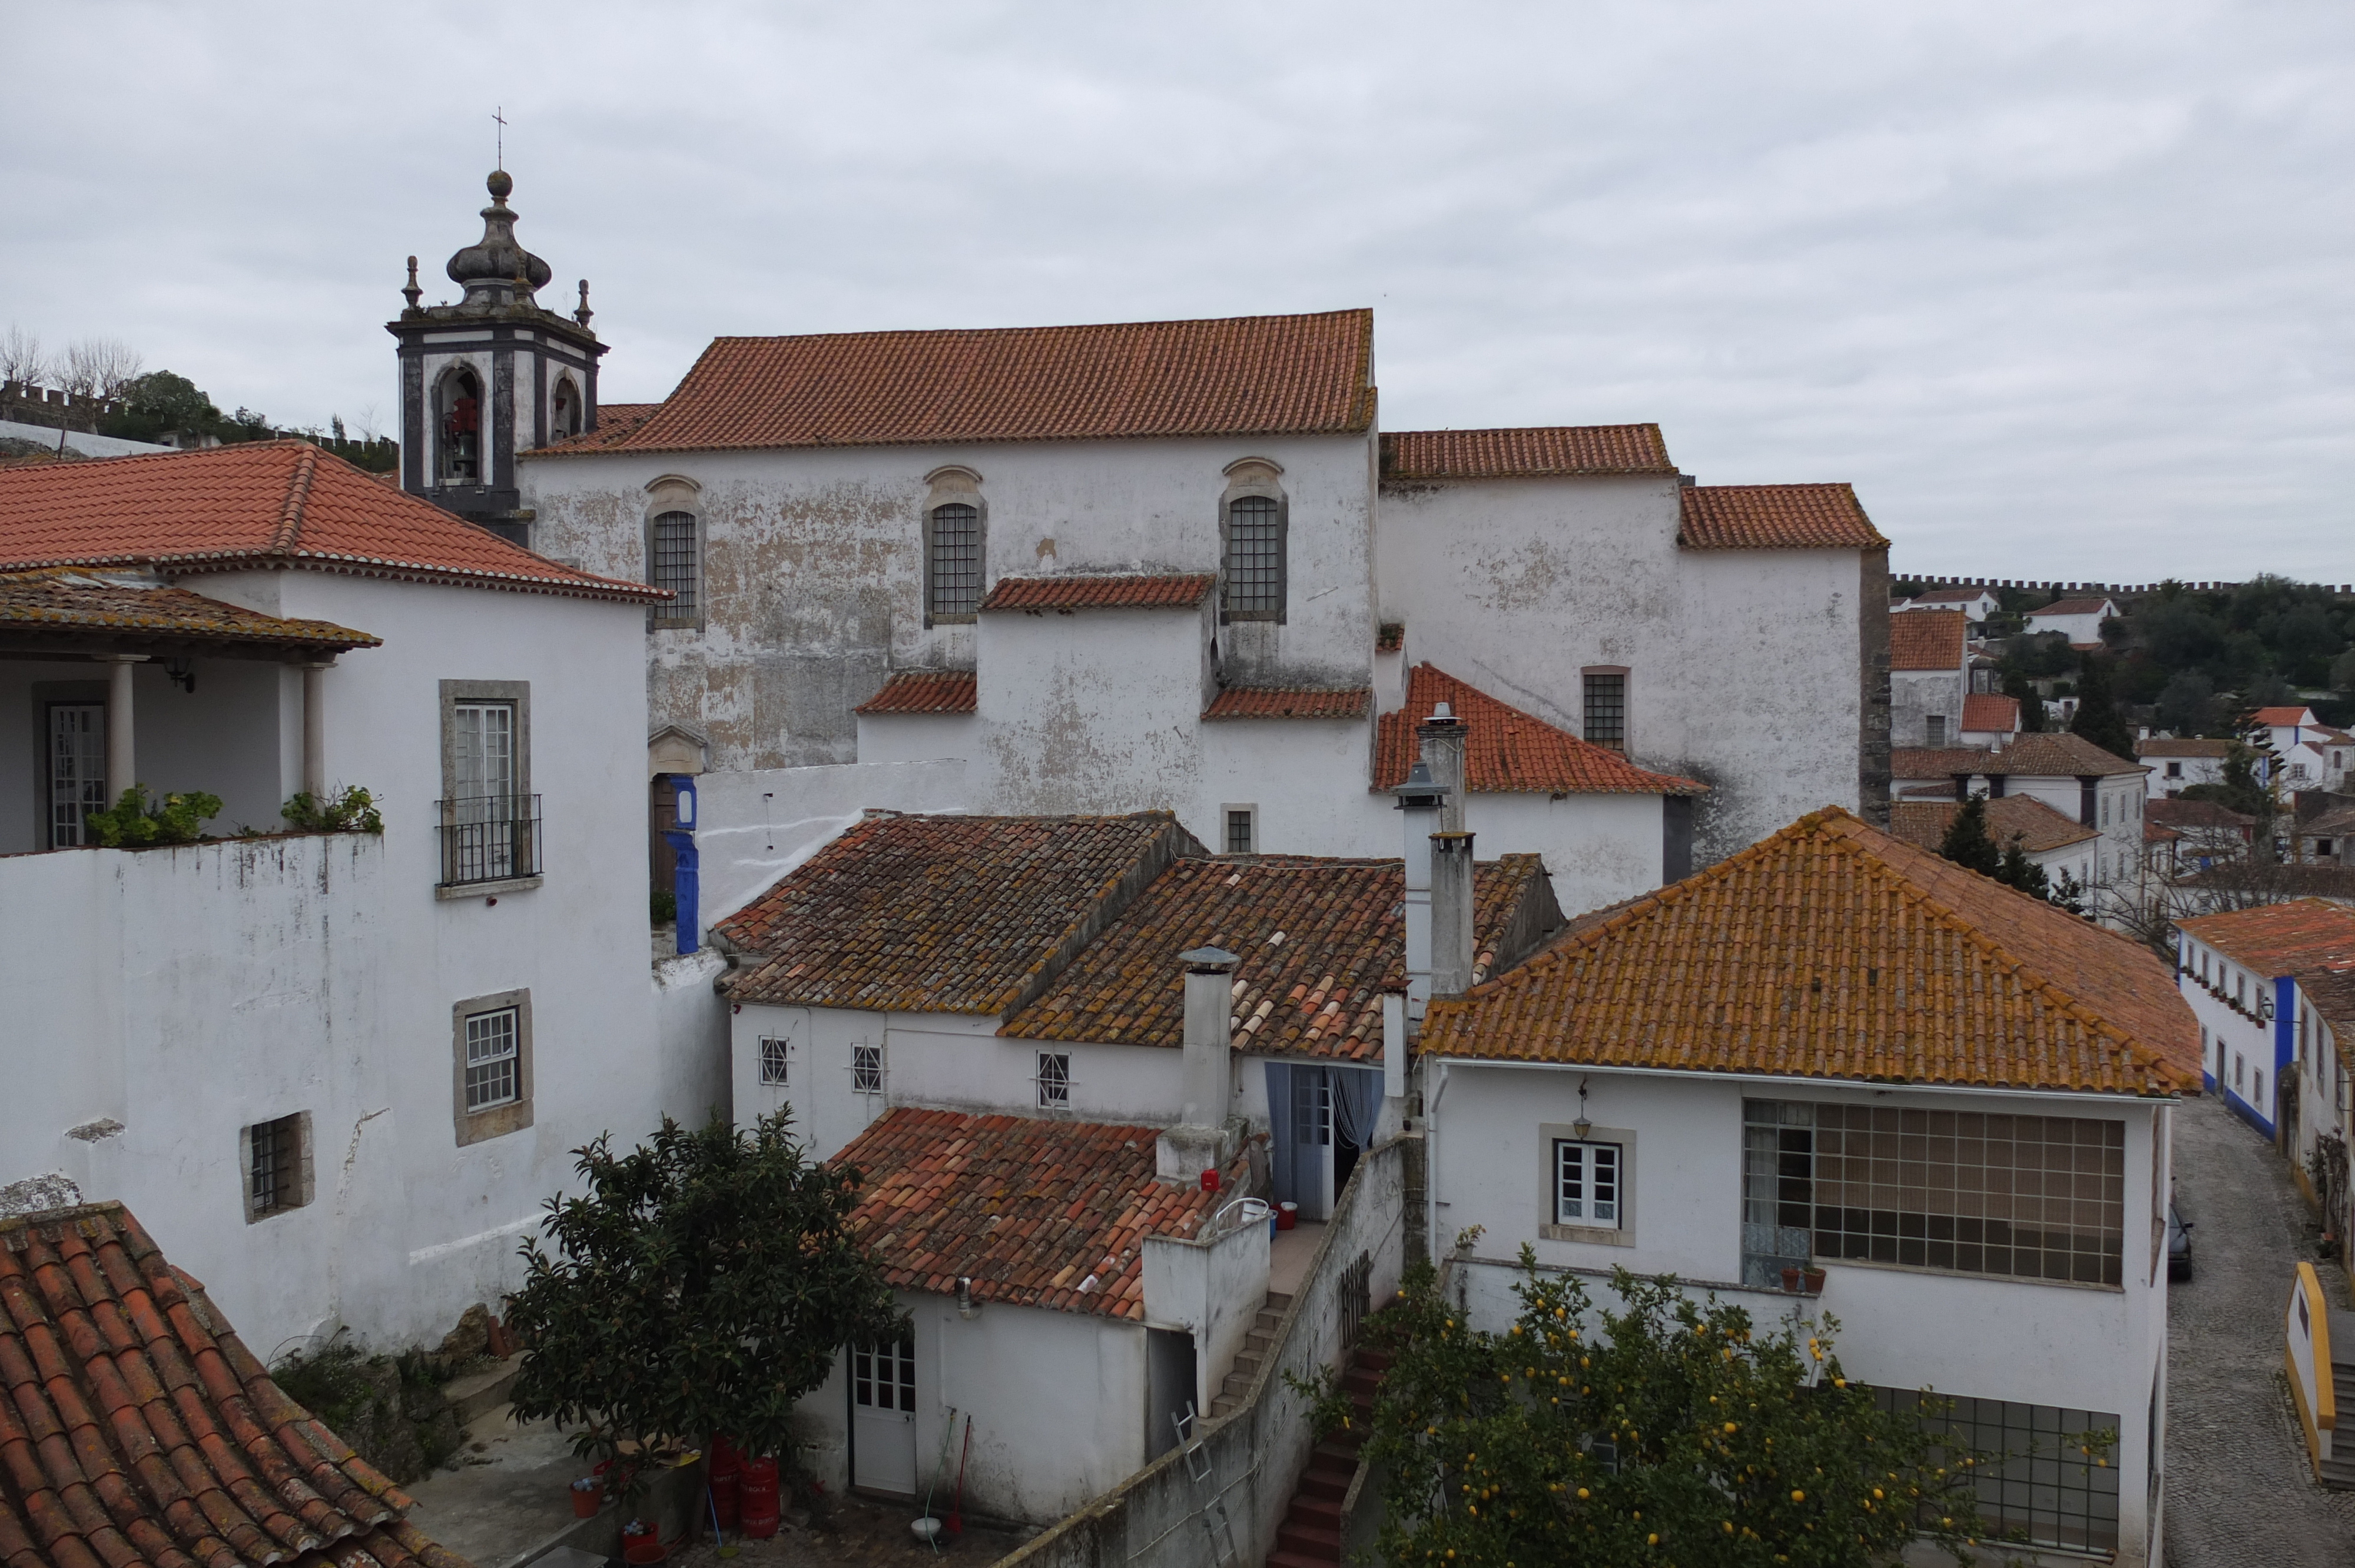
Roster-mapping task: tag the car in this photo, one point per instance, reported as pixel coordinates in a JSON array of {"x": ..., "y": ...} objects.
[{"x": 2178, "y": 1244}]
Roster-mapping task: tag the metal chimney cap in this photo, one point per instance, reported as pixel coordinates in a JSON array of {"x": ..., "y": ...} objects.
[
  {"x": 1209, "y": 960},
  {"x": 1421, "y": 792}
]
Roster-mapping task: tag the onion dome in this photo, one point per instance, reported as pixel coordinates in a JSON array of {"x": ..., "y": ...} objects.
[{"x": 492, "y": 269}]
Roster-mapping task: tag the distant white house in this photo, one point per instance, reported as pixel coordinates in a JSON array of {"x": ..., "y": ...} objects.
[
  {"x": 1975, "y": 604},
  {"x": 2060, "y": 845},
  {"x": 2177, "y": 765},
  {"x": 2321, "y": 759},
  {"x": 2079, "y": 618},
  {"x": 2072, "y": 775}
]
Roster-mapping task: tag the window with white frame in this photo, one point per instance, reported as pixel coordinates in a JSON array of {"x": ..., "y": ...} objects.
[
  {"x": 1586, "y": 1184},
  {"x": 772, "y": 1060},
  {"x": 75, "y": 770},
  {"x": 1054, "y": 1080},
  {"x": 489, "y": 819},
  {"x": 491, "y": 1068},
  {"x": 866, "y": 1069},
  {"x": 494, "y": 1065}
]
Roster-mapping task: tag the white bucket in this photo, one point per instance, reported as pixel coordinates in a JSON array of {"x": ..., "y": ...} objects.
[{"x": 926, "y": 1528}]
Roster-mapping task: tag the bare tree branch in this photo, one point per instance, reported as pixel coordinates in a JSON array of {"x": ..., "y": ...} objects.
[
  {"x": 100, "y": 367},
  {"x": 21, "y": 359}
]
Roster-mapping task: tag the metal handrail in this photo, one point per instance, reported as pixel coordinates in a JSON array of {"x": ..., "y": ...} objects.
[{"x": 488, "y": 838}]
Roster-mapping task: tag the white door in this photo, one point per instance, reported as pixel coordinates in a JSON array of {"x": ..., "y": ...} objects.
[
  {"x": 76, "y": 769},
  {"x": 883, "y": 1417},
  {"x": 483, "y": 809}
]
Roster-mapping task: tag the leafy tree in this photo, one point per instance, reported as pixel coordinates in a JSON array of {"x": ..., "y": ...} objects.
[
  {"x": 1967, "y": 841},
  {"x": 2186, "y": 705},
  {"x": 2018, "y": 871},
  {"x": 2240, "y": 789},
  {"x": 160, "y": 401},
  {"x": 2097, "y": 717},
  {"x": 2342, "y": 673},
  {"x": 136, "y": 822},
  {"x": 2017, "y": 685},
  {"x": 703, "y": 1284},
  {"x": 1671, "y": 1432}
]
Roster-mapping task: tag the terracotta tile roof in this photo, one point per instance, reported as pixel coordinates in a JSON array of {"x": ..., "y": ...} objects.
[
  {"x": 1181, "y": 590},
  {"x": 2282, "y": 716},
  {"x": 1391, "y": 637},
  {"x": 1951, "y": 596},
  {"x": 2190, "y": 747},
  {"x": 136, "y": 1429},
  {"x": 936, "y": 914},
  {"x": 2176, "y": 813},
  {"x": 1036, "y": 1213},
  {"x": 2036, "y": 825},
  {"x": 1927, "y": 639},
  {"x": 2074, "y": 606},
  {"x": 1319, "y": 941},
  {"x": 2049, "y": 753},
  {"x": 263, "y": 504},
  {"x": 1831, "y": 950},
  {"x": 925, "y": 692},
  {"x": 1984, "y": 712},
  {"x": 64, "y": 601},
  {"x": 1535, "y": 453},
  {"x": 1507, "y": 751},
  {"x": 2152, "y": 834},
  {"x": 1305, "y": 375},
  {"x": 2336, "y": 824},
  {"x": 616, "y": 423},
  {"x": 1289, "y": 702},
  {"x": 1777, "y": 517},
  {"x": 2304, "y": 936}
]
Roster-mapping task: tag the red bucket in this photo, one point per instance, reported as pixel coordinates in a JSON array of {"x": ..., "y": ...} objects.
[{"x": 756, "y": 1491}]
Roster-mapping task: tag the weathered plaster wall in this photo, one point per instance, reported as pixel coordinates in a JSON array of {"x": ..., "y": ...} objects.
[{"x": 755, "y": 827}]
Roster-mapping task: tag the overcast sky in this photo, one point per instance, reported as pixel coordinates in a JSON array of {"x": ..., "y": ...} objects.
[{"x": 2061, "y": 286}]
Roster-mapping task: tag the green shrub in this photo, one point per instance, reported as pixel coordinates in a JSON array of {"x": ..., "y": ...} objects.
[
  {"x": 664, "y": 905},
  {"x": 353, "y": 811},
  {"x": 134, "y": 821}
]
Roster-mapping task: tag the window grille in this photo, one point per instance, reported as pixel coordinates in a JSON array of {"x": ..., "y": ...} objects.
[
  {"x": 1054, "y": 1080},
  {"x": 866, "y": 1069},
  {"x": 489, "y": 838},
  {"x": 1254, "y": 557},
  {"x": 676, "y": 566},
  {"x": 494, "y": 1073},
  {"x": 772, "y": 1060},
  {"x": 275, "y": 1165},
  {"x": 956, "y": 559},
  {"x": 2014, "y": 1196},
  {"x": 1586, "y": 1184},
  {"x": 883, "y": 1377},
  {"x": 77, "y": 770},
  {"x": 1606, "y": 711},
  {"x": 1239, "y": 833},
  {"x": 1937, "y": 729},
  {"x": 2032, "y": 1485}
]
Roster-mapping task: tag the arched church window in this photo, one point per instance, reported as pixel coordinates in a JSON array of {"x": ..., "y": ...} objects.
[
  {"x": 565, "y": 413},
  {"x": 678, "y": 567},
  {"x": 1254, "y": 555},
  {"x": 462, "y": 429},
  {"x": 956, "y": 560}
]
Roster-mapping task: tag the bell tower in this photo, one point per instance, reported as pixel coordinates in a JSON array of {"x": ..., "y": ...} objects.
[{"x": 490, "y": 376}]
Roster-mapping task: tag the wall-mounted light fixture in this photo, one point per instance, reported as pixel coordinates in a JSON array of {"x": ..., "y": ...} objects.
[
  {"x": 1581, "y": 1126},
  {"x": 183, "y": 672}
]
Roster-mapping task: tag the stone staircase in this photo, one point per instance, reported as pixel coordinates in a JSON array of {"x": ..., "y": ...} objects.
[
  {"x": 1310, "y": 1535},
  {"x": 1232, "y": 1391},
  {"x": 2338, "y": 1472}
]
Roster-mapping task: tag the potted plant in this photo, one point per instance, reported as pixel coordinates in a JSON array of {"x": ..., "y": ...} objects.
[
  {"x": 1815, "y": 1279},
  {"x": 1791, "y": 1279}
]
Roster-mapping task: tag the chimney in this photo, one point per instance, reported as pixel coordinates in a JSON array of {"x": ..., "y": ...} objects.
[
  {"x": 1442, "y": 749},
  {"x": 1421, "y": 801},
  {"x": 1451, "y": 914},
  {"x": 1199, "y": 1141}
]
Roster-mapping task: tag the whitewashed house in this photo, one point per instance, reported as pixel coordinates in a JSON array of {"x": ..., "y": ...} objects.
[
  {"x": 1928, "y": 678},
  {"x": 2282, "y": 729},
  {"x": 2321, "y": 759},
  {"x": 2079, "y": 618},
  {"x": 1770, "y": 1068},
  {"x": 2062, "y": 846},
  {"x": 2260, "y": 981},
  {"x": 1975, "y": 603},
  {"x": 2177, "y": 765},
  {"x": 2070, "y": 774},
  {"x": 341, "y": 1071},
  {"x": 1989, "y": 720}
]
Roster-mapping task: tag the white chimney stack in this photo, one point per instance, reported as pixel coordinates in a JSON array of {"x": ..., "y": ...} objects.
[
  {"x": 1443, "y": 750},
  {"x": 1199, "y": 1141},
  {"x": 1419, "y": 802},
  {"x": 1451, "y": 914}
]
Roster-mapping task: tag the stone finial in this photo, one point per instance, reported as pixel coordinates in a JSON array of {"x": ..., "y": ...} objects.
[
  {"x": 495, "y": 268},
  {"x": 412, "y": 293},
  {"x": 584, "y": 312}
]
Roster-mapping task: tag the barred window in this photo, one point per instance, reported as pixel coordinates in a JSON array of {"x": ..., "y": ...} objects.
[
  {"x": 2035, "y": 1484},
  {"x": 1254, "y": 557},
  {"x": 1054, "y": 1080},
  {"x": 1606, "y": 710},
  {"x": 955, "y": 559},
  {"x": 772, "y": 1060},
  {"x": 866, "y": 1069},
  {"x": 492, "y": 1075},
  {"x": 675, "y": 565},
  {"x": 275, "y": 1166},
  {"x": 2017, "y": 1196}
]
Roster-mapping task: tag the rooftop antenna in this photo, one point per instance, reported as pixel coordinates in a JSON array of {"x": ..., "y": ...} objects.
[{"x": 498, "y": 113}]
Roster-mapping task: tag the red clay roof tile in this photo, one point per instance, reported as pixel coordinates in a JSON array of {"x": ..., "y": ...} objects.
[
  {"x": 1289, "y": 702},
  {"x": 2302, "y": 936},
  {"x": 263, "y": 504},
  {"x": 1139, "y": 592},
  {"x": 1777, "y": 517},
  {"x": 1927, "y": 639},
  {"x": 1304, "y": 375},
  {"x": 2037, "y": 826},
  {"x": 137, "y": 1431},
  {"x": 924, "y": 692},
  {"x": 1832, "y": 951},
  {"x": 2046, "y": 754},
  {"x": 1984, "y": 713},
  {"x": 2075, "y": 606},
  {"x": 1506, "y": 750},
  {"x": 616, "y": 423},
  {"x": 1532, "y": 452}
]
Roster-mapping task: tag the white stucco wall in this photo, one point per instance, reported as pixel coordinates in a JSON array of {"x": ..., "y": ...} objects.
[
  {"x": 1211, "y": 1290},
  {"x": 1914, "y": 695},
  {"x": 2240, "y": 1043},
  {"x": 754, "y": 827},
  {"x": 2161, "y": 785},
  {"x": 81, "y": 441}
]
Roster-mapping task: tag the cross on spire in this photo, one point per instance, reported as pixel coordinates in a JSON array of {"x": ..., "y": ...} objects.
[{"x": 498, "y": 113}]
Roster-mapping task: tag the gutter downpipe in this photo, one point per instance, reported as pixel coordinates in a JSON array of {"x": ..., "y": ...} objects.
[{"x": 1430, "y": 1200}]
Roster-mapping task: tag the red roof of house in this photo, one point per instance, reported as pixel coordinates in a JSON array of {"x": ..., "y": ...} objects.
[
  {"x": 924, "y": 692},
  {"x": 2189, "y": 746},
  {"x": 1172, "y": 591},
  {"x": 1539, "y": 452},
  {"x": 2035, "y": 825},
  {"x": 2285, "y": 717},
  {"x": 1289, "y": 702},
  {"x": 263, "y": 504},
  {"x": 1984, "y": 712},
  {"x": 1035, "y": 1213},
  {"x": 2047, "y": 754},
  {"x": 1777, "y": 517},
  {"x": 1318, "y": 943},
  {"x": 2179, "y": 814},
  {"x": 2075, "y": 606},
  {"x": 1952, "y": 596},
  {"x": 1832, "y": 951},
  {"x": 616, "y": 423},
  {"x": 1507, "y": 751},
  {"x": 137, "y": 1431},
  {"x": 1304, "y": 375},
  {"x": 2303, "y": 934},
  {"x": 1927, "y": 639}
]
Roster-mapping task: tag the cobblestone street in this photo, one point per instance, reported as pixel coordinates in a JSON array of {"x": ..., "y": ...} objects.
[{"x": 2237, "y": 1487}]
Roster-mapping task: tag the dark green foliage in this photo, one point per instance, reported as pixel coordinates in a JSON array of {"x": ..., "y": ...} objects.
[
  {"x": 389, "y": 1408},
  {"x": 2097, "y": 719},
  {"x": 351, "y": 811},
  {"x": 162, "y": 403},
  {"x": 1670, "y": 1431},
  {"x": 2040, "y": 657},
  {"x": 1967, "y": 841},
  {"x": 2017, "y": 685},
  {"x": 136, "y": 822},
  {"x": 2239, "y": 790},
  {"x": 704, "y": 1284},
  {"x": 2188, "y": 706},
  {"x": 663, "y": 905},
  {"x": 2018, "y": 871}
]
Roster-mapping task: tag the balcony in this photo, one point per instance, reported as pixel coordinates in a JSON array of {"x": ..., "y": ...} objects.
[{"x": 490, "y": 844}]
